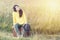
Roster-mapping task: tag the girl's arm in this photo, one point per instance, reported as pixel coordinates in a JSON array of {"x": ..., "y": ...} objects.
[{"x": 14, "y": 19}]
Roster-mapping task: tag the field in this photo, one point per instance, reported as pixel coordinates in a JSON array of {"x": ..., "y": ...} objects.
[
  {"x": 42, "y": 15},
  {"x": 8, "y": 36}
]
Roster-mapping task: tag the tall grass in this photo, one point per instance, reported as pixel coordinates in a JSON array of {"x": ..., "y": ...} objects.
[{"x": 39, "y": 17}]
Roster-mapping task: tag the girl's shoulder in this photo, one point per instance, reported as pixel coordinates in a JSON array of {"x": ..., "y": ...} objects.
[{"x": 14, "y": 13}]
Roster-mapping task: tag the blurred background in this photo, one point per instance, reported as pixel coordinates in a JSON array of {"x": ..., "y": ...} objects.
[{"x": 43, "y": 15}]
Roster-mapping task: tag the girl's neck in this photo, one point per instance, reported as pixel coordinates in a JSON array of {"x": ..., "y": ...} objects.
[{"x": 17, "y": 11}]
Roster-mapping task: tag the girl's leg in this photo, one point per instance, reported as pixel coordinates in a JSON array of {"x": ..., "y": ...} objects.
[
  {"x": 17, "y": 30},
  {"x": 22, "y": 31}
]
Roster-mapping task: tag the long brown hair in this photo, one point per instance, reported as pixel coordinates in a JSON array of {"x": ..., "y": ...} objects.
[{"x": 20, "y": 13}]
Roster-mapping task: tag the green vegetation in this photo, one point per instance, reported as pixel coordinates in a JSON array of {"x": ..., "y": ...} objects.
[{"x": 5, "y": 22}]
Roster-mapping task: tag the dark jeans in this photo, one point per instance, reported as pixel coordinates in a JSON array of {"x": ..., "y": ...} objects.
[
  {"x": 17, "y": 29},
  {"x": 25, "y": 29}
]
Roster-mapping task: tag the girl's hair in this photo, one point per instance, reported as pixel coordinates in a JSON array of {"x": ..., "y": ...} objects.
[
  {"x": 14, "y": 7},
  {"x": 20, "y": 13}
]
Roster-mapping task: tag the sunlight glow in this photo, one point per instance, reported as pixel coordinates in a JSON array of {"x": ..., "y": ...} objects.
[
  {"x": 52, "y": 8},
  {"x": 52, "y": 5}
]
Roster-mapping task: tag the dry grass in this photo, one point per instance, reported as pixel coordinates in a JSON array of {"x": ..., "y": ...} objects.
[
  {"x": 39, "y": 17},
  {"x": 8, "y": 36}
]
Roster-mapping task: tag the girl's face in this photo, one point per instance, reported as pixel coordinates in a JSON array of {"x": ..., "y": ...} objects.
[{"x": 17, "y": 8}]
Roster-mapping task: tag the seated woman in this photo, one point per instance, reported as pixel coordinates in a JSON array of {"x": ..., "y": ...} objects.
[{"x": 20, "y": 25}]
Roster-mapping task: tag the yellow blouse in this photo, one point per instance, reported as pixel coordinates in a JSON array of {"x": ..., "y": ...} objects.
[{"x": 19, "y": 20}]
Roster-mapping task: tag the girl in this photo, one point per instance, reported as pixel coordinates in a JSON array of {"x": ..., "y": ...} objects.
[{"x": 20, "y": 25}]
